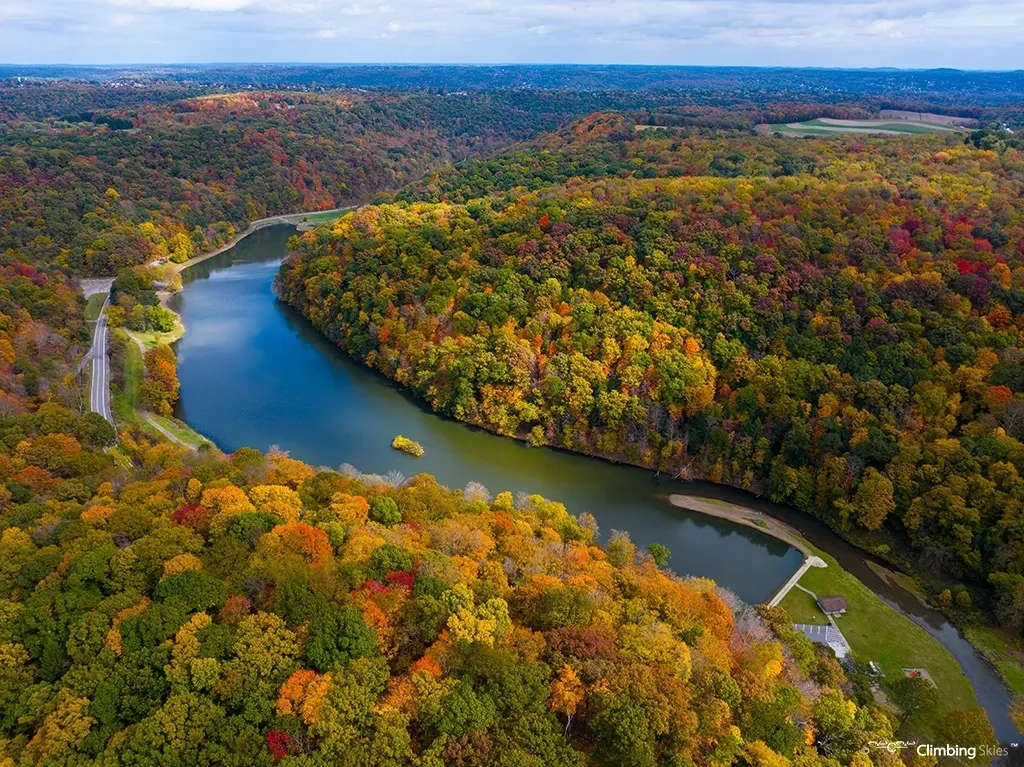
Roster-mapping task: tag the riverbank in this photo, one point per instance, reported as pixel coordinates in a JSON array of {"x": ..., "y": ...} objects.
[
  {"x": 127, "y": 401},
  {"x": 294, "y": 219},
  {"x": 876, "y": 632},
  {"x": 171, "y": 428},
  {"x": 272, "y": 379},
  {"x": 1004, "y": 654}
]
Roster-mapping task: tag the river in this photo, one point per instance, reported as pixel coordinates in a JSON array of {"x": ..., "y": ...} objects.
[{"x": 255, "y": 373}]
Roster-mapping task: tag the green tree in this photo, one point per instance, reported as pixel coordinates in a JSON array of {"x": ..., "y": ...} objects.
[
  {"x": 915, "y": 696},
  {"x": 384, "y": 511},
  {"x": 337, "y": 636},
  {"x": 622, "y": 732},
  {"x": 192, "y": 590},
  {"x": 660, "y": 553}
]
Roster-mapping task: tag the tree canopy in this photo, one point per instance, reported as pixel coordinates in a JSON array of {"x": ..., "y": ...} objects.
[{"x": 834, "y": 322}]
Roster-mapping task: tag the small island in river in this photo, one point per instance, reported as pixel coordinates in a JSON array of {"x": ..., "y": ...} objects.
[{"x": 406, "y": 445}]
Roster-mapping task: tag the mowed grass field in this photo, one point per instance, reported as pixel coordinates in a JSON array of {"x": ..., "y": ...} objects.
[
  {"x": 93, "y": 306},
  {"x": 826, "y": 127},
  {"x": 878, "y": 633},
  {"x": 1004, "y": 651},
  {"x": 320, "y": 218}
]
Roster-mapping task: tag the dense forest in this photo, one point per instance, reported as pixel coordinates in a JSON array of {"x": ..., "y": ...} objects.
[
  {"x": 170, "y": 608},
  {"x": 934, "y": 87},
  {"x": 87, "y": 190},
  {"x": 93, "y": 192},
  {"x": 99, "y": 190},
  {"x": 832, "y": 322}
]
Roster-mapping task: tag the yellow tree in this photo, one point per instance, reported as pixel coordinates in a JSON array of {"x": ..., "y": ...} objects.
[{"x": 566, "y": 694}]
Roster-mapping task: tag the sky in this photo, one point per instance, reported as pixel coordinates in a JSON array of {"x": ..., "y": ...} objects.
[{"x": 966, "y": 34}]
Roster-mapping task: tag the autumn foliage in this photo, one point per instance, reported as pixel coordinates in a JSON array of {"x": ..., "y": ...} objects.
[
  {"x": 275, "y": 621},
  {"x": 834, "y": 323}
]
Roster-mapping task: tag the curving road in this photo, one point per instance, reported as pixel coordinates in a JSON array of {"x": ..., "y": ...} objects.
[{"x": 99, "y": 393}]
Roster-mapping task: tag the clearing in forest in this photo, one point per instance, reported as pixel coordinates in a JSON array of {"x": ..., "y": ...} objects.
[{"x": 824, "y": 126}]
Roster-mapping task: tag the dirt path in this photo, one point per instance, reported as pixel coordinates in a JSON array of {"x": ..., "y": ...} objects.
[{"x": 153, "y": 422}]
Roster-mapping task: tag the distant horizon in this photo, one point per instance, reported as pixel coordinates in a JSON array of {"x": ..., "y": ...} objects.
[{"x": 484, "y": 64}]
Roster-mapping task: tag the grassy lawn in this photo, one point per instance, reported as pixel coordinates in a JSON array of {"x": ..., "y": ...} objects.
[
  {"x": 802, "y": 608},
  {"x": 821, "y": 128},
  {"x": 320, "y": 218},
  {"x": 801, "y": 130},
  {"x": 1004, "y": 652},
  {"x": 155, "y": 339},
  {"x": 182, "y": 431},
  {"x": 127, "y": 401},
  {"x": 898, "y": 126},
  {"x": 93, "y": 305},
  {"x": 878, "y": 633}
]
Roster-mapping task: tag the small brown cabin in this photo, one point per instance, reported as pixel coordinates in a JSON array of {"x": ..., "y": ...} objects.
[{"x": 832, "y": 605}]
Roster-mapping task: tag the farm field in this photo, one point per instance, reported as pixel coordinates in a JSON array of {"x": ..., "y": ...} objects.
[{"x": 825, "y": 126}]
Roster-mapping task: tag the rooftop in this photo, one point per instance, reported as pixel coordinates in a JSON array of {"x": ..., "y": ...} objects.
[{"x": 833, "y": 604}]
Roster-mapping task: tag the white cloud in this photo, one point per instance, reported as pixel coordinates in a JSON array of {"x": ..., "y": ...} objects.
[
  {"x": 224, "y": 6},
  {"x": 190, "y": 5},
  {"x": 966, "y": 33}
]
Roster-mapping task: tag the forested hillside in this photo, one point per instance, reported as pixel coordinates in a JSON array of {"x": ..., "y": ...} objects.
[
  {"x": 834, "y": 322},
  {"x": 200, "y": 610},
  {"x": 118, "y": 188},
  {"x": 122, "y": 187}
]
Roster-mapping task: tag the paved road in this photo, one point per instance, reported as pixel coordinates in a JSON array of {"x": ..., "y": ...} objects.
[{"x": 99, "y": 394}]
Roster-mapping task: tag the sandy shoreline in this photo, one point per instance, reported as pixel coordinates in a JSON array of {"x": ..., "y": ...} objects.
[{"x": 741, "y": 515}]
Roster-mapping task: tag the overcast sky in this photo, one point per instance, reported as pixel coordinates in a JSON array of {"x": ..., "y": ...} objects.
[{"x": 970, "y": 34}]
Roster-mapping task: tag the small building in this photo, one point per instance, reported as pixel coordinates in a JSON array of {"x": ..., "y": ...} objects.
[{"x": 832, "y": 606}]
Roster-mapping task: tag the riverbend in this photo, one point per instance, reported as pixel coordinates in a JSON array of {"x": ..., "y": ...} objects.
[{"x": 254, "y": 373}]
